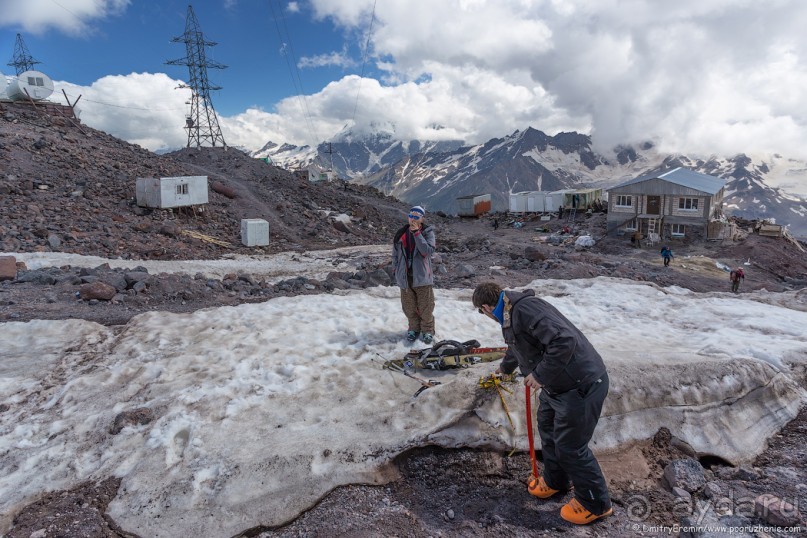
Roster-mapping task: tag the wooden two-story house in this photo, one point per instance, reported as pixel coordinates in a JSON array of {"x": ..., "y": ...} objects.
[{"x": 662, "y": 205}]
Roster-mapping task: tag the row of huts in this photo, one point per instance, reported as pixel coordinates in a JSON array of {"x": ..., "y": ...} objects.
[{"x": 670, "y": 204}]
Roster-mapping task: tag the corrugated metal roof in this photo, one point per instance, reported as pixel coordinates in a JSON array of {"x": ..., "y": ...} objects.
[{"x": 684, "y": 177}]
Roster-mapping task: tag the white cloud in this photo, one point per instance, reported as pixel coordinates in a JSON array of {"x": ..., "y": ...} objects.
[
  {"x": 69, "y": 16},
  {"x": 624, "y": 71},
  {"x": 338, "y": 59},
  {"x": 697, "y": 77},
  {"x": 142, "y": 108}
]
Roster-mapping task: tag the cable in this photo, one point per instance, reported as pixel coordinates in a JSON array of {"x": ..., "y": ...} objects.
[
  {"x": 296, "y": 82},
  {"x": 364, "y": 62},
  {"x": 130, "y": 107}
]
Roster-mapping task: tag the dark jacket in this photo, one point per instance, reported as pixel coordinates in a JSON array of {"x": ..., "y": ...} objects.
[
  {"x": 543, "y": 342},
  {"x": 420, "y": 265}
]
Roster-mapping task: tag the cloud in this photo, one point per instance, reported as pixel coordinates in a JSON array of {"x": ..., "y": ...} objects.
[
  {"x": 73, "y": 17},
  {"x": 337, "y": 59},
  {"x": 142, "y": 108},
  {"x": 696, "y": 76},
  {"x": 702, "y": 77}
]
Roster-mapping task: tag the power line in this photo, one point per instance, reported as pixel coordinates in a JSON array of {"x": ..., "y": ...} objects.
[
  {"x": 294, "y": 69},
  {"x": 364, "y": 61},
  {"x": 130, "y": 107},
  {"x": 64, "y": 8}
]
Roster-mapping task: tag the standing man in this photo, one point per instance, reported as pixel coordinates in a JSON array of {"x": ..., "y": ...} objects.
[
  {"x": 636, "y": 239},
  {"x": 412, "y": 251},
  {"x": 557, "y": 358},
  {"x": 735, "y": 276}
]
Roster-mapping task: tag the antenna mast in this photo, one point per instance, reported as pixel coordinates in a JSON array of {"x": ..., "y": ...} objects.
[
  {"x": 201, "y": 122},
  {"x": 22, "y": 61}
]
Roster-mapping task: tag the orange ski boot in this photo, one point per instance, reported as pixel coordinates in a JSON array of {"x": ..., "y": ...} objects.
[
  {"x": 576, "y": 513},
  {"x": 538, "y": 488}
]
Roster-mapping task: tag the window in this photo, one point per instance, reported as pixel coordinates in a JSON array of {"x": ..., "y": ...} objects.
[
  {"x": 630, "y": 225},
  {"x": 40, "y": 81},
  {"x": 624, "y": 200},
  {"x": 182, "y": 189},
  {"x": 688, "y": 204},
  {"x": 678, "y": 230}
]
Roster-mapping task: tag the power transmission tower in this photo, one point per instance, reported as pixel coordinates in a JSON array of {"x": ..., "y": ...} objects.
[
  {"x": 22, "y": 61},
  {"x": 201, "y": 122}
]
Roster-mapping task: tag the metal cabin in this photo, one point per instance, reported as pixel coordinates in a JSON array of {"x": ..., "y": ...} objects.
[
  {"x": 473, "y": 205},
  {"x": 550, "y": 201},
  {"x": 663, "y": 205},
  {"x": 534, "y": 202},
  {"x": 170, "y": 192}
]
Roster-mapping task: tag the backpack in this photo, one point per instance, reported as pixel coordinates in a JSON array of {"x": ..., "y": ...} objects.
[{"x": 449, "y": 354}]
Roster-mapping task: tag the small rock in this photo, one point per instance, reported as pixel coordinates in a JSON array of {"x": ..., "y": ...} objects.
[
  {"x": 746, "y": 473},
  {"x": 712, "y": 490},
  {"x": 681, "y": 493},
  {"x": 685, "y": 473},
  {"x": 450, "y": 513}
]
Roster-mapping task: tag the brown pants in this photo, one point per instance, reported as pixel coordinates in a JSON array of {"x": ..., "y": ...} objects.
[{"x": 418, "y": 306}]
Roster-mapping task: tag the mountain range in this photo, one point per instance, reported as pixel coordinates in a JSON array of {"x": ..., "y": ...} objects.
[{"x": 435, "y": 173}]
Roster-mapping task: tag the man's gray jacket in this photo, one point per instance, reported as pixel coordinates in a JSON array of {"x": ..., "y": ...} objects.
[
  {"x": 543, "y": 342},
  {"x": 421, "y": 262}
]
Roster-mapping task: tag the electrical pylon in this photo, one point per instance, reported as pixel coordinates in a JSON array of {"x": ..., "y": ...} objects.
[
  {"x": 22, "y": 61},
  {"x": 201, "y": 123}
]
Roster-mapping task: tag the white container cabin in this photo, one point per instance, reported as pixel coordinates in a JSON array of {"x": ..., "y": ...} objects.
[
  {"x": 170, "y": 192},
  {"x": 535, "y": 202}
]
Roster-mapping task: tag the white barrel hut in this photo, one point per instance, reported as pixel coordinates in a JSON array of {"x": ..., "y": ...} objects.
[
  {"x": 33, "y": 84},
  {"x": 3, "y": 84}
]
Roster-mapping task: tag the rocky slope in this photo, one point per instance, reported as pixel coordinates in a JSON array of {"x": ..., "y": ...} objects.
[{"x": 66, "y": 187}]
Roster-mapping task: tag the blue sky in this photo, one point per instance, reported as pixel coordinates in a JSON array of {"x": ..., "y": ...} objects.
[
  {"x": 137, "y": 39},
  {"x": 701, "y": 77}
]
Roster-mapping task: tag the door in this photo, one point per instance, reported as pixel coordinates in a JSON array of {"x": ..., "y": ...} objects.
[{"x": 654, "y": 205}]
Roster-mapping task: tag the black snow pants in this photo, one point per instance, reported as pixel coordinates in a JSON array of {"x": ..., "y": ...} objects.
[{"x": 566, "y": 423}]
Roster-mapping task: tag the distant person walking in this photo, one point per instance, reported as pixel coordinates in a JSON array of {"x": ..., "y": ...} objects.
[
  {"x": 666, "y": 255},
  {"x": 495, "y": 223},
  {"x": 558, "y": 359},
  {"x": 736, "y": 276},
  {"x": 636, "y": 239},
  {"x": 412, "y": 250},
  {"x": 560, "y": 212}
]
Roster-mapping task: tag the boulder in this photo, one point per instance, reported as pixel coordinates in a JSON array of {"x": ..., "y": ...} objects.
[
  {"x": 97, "y": 290},
  {"x": 686, "y": 474},
  {"x": 534, "y": 254},
  {"x": 8, "y": 268}
]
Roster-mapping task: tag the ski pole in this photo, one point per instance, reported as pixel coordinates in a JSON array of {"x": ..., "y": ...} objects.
[{"x": 529, "y": 432}]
